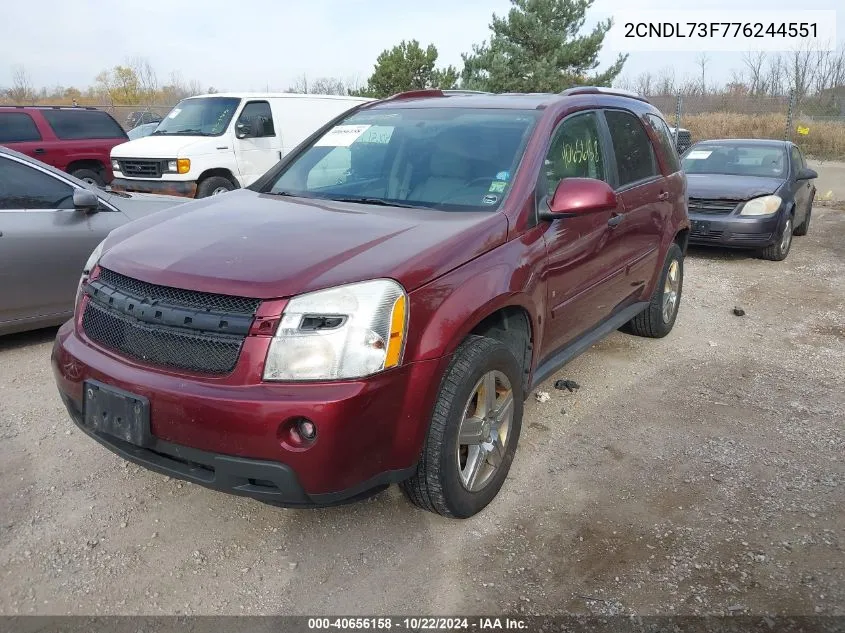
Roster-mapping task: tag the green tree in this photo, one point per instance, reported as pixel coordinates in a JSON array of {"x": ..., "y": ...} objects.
[
  {"x": 407, "y": 67},
  {"x": 539, "y": 47}
]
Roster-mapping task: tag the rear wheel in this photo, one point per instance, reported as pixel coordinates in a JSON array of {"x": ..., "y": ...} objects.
[
  {"x": 658, "y": 319},
  {"x": 778, "y": 251},
  {"x": 474, "y": 431},
  {"x": 90, "y": 176},
  {"x": 213, "y": 186}
]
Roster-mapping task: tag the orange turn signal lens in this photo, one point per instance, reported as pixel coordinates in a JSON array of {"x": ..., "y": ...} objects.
[
  {"x": 183, "y": 165},
  {"x": 397, "y": 333}
]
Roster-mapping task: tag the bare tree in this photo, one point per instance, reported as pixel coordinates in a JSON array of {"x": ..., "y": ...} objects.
[
  {"x": 801, "y": 72},
  {"x": 328, "y": 86},
  {"x": 645, "y": 82},
  {"x": 21, "y": 91},
  {"x": 775, "y": 71},
  {"x": 146, "y": 74},
  {"x": 666, "y": 81},
  {"x": 703, "y": 60},
  {"x": 300, "y": 86},
  {"x": 625, "y": 83},
  {"x": 754, "y": 61}
]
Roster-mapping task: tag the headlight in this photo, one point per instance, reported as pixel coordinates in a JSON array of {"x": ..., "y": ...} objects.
[
  {"x": 115, "y": 165},
  {"x": 179, "y": 166},
  {"x": 349, "y": 331},
  {"x": 765, "y": 205},
  {"x": 93, "y": 259}
]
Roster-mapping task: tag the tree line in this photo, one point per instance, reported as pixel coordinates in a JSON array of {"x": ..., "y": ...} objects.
[{"x": 539, "y": 46}]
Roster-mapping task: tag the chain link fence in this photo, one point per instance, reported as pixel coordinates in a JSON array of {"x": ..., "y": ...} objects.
[{"x": 754, "y": 116}]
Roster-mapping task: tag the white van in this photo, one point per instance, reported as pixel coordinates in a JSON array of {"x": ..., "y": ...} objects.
[{"x": 214, "y": 143}]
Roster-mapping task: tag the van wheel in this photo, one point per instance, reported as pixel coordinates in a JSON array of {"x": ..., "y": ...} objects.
[
  {"x": 474, "y": 430},
  {"x": 658, "y": 319},
  {"x": 90, "y": 176},
  {"x": 214, "y": 185}
]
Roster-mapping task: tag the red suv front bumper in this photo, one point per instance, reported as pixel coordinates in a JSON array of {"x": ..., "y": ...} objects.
[{"x": 229, "y": 436}]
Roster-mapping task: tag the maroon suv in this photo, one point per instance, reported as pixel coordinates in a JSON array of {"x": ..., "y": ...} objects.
[
  {"x": 76, "y": 140},
  {"x": 377, "y": 307}
]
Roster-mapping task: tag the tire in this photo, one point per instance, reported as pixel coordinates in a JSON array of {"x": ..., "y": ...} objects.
[
  {"x": 90, "y": 176},
  {"x": 657, "y": 320},
  {"x": 439, "y": 484},
  {"x": 804, "y": 227},
  {"x": 214, "y": 185},
  {"x": 778, "y": 251}
]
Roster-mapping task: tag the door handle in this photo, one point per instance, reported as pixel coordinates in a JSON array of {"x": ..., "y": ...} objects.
[
  {"x": 40, "y": 150},
  {"x": 615, "y": 220},
  {"x": 664, "y": 196}
]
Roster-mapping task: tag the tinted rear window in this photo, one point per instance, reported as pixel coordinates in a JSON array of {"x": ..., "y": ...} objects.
[
  {"x": 17, "y": 127},
  {"x": 79, "y": 124}
]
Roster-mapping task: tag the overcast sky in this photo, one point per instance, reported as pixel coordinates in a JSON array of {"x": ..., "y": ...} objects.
[{"x": 256, "y": 44}]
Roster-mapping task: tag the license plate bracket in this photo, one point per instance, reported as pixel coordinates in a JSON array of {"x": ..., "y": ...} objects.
[{"x": 116, "y": 412}]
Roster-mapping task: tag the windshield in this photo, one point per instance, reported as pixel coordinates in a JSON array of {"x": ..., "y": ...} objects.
[
  {"x": 444, "y": 158},
  {"x": 203, "y": 116},
  {"x": 736, "y": 160}
]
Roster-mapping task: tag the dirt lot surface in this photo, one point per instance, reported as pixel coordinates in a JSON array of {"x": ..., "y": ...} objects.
[{"x": 701, "y": 473}]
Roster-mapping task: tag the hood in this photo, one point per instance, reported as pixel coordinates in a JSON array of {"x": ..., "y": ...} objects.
[
  {"x": 137, "y": 205},
  {"x": 725, "y": 187},
  {"x": 263, "y": 246},
  {"x": 167, "y": 146}
]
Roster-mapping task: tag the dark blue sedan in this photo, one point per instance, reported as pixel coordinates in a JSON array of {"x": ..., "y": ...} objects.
[{"x": 752, "y": 194}]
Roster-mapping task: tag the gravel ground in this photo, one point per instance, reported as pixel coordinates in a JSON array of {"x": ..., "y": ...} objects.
[{"x": 701, "y": 473}]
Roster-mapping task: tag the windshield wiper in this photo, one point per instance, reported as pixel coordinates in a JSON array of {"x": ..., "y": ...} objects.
[
  {"x": 191, "y": 131},
  {"x": 159, "y": 132},
  {"x": 377, "y": 201}
]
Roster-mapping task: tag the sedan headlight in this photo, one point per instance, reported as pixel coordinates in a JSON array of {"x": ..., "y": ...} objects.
[
  {"x": 93, "y": 260},
  {"x": 765, "y": 205},
  {"x": 349, "y": 331}
]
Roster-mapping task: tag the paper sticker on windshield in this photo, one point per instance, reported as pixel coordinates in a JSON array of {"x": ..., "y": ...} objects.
[
  {"x": 497, "y": 186},
  {"x": 699, "y": 154},
  {"x": 488, "y": 199},
  {"x": 174, "y": 113},
  {"x": 342, "y": 136},
  {"x": 503, "y": 175}
]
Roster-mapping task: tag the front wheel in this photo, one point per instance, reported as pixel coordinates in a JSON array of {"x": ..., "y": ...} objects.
[
  {"x": 658, "y": 319},
  {"x": 474, "y": 431},
  {"x": 214, "y": 186},
  {"x": 778, "y": 251}
]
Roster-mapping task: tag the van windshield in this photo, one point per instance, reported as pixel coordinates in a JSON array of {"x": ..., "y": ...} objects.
[
  {"x": 204, "y": 116},
  {"x": 448, "y": 158}
]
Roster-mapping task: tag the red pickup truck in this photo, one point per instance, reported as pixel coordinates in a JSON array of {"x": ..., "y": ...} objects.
[{"x": 76, "y": 140}]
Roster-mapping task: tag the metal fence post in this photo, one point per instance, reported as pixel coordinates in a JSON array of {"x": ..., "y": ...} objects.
[
  {"x": 677, "y": 117},
  {"x": 789, "y": 116}
]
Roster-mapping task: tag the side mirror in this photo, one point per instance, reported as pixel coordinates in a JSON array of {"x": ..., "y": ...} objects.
[
  {"x": 84, "y": 200},
  {"x": 246, "y": 129},
  {"x": 806, "y": 174},
  {"x": 578, "y": 196}
]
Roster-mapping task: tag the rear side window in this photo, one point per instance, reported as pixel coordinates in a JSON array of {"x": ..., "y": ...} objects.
[
  {"x": 661, "y": 130},
  {"x": 24, "y": 187},
  {"x": 259, "y": 113},
  {"x": 17, "y": 127},
  {"x": 82, "y": 124},
  {"x": 631, "y": 147}
]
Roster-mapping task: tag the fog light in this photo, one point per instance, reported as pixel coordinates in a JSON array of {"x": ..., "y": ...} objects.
[{"x": 306, "y": 429}]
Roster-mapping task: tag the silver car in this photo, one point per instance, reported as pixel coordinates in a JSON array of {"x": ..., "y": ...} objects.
[{"x": 50, "y": 222}]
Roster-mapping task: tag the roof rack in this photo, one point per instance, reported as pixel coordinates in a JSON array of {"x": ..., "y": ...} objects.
[
  {"x": 593, "y": 90},
  {"x": 48, "y": 107},
  {"x": 433, "y": 92}
]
